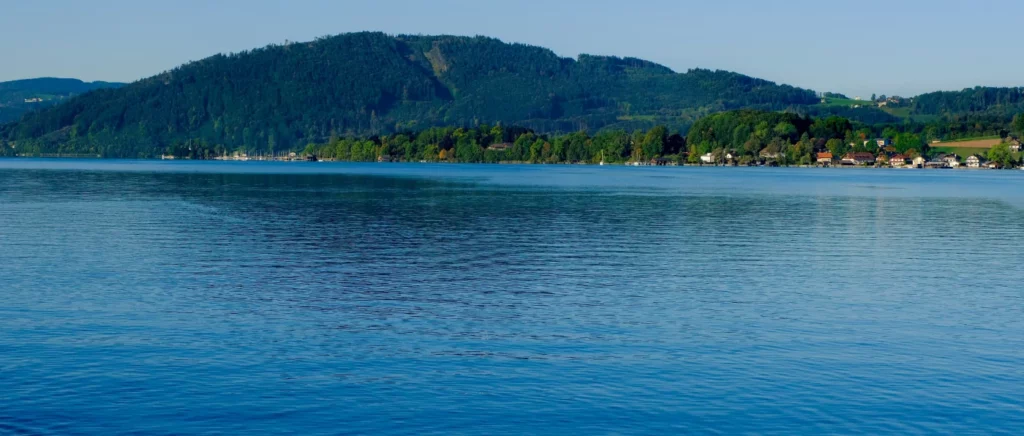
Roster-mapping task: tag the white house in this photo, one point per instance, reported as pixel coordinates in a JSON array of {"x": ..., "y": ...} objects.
[
  {"x": 707, "y": 158},
  {"x": 952, "y": 161},
  {"x": 859, "y": 158},
  {"x": 920, "y": 162},
  {"x": 973, "y": 161}
]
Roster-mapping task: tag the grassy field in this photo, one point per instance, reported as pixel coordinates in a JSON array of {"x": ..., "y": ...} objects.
[
  {"x": 904, "y": 113},
  {"x": 968, "y": 146},
  {"x": 977, "y": 143},
  {"x": 845, "y": 102},
  {"x": 975, "y": 139},
  {"x": 898, "y": 112}
]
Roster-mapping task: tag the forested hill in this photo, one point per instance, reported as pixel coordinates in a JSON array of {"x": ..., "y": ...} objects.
[
  {"x": 20, "y": 96},
  {"x": 1004, "y": 102},
  {"x": 284, "y": 96}
]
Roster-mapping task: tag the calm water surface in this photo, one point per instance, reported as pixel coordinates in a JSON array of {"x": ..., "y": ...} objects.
[{"x": 170, "y": 298}]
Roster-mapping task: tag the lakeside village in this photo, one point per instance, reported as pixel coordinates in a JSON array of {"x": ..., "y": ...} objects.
[{"x": 887, "y": 157}]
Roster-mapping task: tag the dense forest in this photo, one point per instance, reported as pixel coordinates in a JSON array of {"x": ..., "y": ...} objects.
[
  {"x": 283, "y": 96},
  {"x": 21, "y": 96},
  {"x": 994, "y": 102}
]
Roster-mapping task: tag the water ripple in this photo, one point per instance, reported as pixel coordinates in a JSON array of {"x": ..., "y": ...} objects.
[{"x": 189, "y": 298}]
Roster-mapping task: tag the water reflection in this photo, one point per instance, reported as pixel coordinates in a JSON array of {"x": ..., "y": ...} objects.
[{"x": 462, "y": 301}]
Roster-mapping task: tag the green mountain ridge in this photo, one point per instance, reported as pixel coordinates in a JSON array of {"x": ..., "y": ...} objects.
[{"x": 284, "y": 96}]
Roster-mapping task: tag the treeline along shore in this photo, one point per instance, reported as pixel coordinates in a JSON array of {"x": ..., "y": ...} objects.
[{"x": 744, "y": 137}]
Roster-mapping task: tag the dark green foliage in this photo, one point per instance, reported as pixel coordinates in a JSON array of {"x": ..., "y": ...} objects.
[
  {"x": 493, "y": 144},
  {"x": 1017, "y": 126},
  {"x": 283, "y": 97},
  {"x": 960, "y": 127},
  {"x": 1004, "y": 102},
  {"x": 866, "y": 115},
  {"x": 1001, "y": 155},
  {"x": 788, "y": 138},
  {"x": 745, "y": 129},
  {"x": 751, "y": 136}
]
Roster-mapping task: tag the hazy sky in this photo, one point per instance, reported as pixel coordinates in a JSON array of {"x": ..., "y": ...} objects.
[{"x": 860, "y": 47}]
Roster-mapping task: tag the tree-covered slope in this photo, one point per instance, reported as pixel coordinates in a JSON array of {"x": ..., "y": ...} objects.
[
  {"x": 20, "y": 96},
  {"x": 1003, "y": 102},
  {"x": 285, "y": 96}
]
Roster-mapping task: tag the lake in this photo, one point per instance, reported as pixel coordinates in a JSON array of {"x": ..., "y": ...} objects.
[{"x": 329, "y": 298}]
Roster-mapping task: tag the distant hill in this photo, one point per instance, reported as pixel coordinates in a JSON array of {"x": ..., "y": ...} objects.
[
  {"x": 284, "y": 96},
  {"x": 986, "y": 100},
  {"x": 981, "y": 102},
  {"x": 20, "y": 96}
]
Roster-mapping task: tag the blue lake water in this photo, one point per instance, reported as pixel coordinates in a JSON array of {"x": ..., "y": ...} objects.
[{"x": 321, "y": 298}]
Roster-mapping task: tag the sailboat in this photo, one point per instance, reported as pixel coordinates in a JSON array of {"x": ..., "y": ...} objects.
[{"x": 602, "y": 158}]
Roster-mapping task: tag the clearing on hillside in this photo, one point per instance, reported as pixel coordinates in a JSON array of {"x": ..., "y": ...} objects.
[{"x": 970, "y": 143}]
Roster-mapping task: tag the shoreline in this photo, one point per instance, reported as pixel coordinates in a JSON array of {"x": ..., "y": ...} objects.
[{"x": 615, "y": 164}]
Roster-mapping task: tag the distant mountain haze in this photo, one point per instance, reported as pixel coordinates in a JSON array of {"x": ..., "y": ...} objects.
[{"x": 20, "y": 96}]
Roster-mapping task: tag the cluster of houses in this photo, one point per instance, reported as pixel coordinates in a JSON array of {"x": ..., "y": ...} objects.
[
  {"x": 242, "y": 156},
  {"x": 883, "y": 101},
  {"x": 888, "y": 157},
  {"x": 898, "y": 160},
  {"x": 891, "y": 101}
]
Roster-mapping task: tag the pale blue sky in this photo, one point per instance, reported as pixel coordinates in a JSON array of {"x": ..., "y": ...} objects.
[{"x": 857, "y": 47}]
